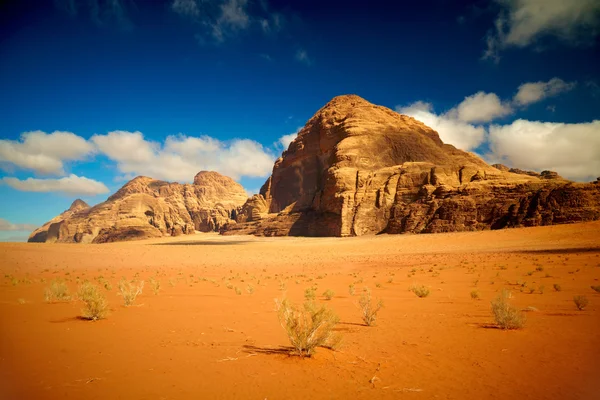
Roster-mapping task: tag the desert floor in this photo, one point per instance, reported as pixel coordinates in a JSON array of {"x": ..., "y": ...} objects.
[{"x": 197, "y": 338}]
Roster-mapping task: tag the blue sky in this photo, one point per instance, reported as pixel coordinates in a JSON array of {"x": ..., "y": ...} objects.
[{"x": 96, "y": 92}]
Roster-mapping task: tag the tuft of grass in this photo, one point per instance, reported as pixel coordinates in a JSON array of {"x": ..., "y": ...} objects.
[
  {"x": 420, "y": 290},
  {"x": 95, "y": 306},
  {"x": 328, "y": 294},
  {"x": 308, "y": 327},
  {"x": 581, "y": 302},
  {"x": 351, "y": 289},
  {"x": 506, "y": 315},
  {"x": 130, "y": 290},
  {"x": 155, "y": 285},
  {"x": 250, "y": 289},
  {"x": 368, "y": 309},
  {"x": 475, "y": 294},
  {"x": 596, "y": 288},
  {"x": 309, "y": 293},
  {"x": 58, "y": 291},
  {"x": 557, "y": 287},
  {"x": 238, "y": 291}
]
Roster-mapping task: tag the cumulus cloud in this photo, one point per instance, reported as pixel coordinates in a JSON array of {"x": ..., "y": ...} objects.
[
  {"x": 451, "y": 129},
  {"x": 180, "y": 157},
  {"x": 523, "y": 22},
  {"x": 570, "y": 149},
  {"x": 9, "y": 226},
  {"x": 481, "y": 107},
  {"x": 533, "y": 92},
  {"x": 72, "y": 185},
  {"x": 302, "y": 56},
  {"x": 44, "y": 153},
  {"x": 285, "y": 140}
]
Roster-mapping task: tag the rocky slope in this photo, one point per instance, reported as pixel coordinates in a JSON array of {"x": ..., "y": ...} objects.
[
  {"x": 146, "y": 207},
  {"x": 357, "y": 168}
]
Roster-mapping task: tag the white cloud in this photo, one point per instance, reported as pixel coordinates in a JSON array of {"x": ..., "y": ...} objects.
[
  {"x": 9, "y": 226},
  {"x": 451, "y": 130},
  {"x": 570, "y": 149},
  {"x": 536, "y": 91},
  {"x": 481, "y": 107},
  {"x": 180, "y": 157},
  {"x": 71, "y": 184},
  {"x": 285, "y": 140},
  {"x": 302, "y": 56},
  {"x": 186, "y": 7},
  {"x": 44, "y": 153},
  {"x": 523, "y": 22}
]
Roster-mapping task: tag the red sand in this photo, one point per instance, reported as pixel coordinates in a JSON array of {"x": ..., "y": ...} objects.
[{"x": 198, "y": 339}]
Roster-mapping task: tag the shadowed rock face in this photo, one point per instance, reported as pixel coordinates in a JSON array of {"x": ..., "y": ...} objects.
[
  {"x": 357, "y": 168},
  {"x": 146, "y": 207}
]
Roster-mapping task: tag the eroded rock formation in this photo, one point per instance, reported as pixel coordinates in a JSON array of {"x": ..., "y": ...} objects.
[
  {"x": 357, "y": 168},
  {"x": 146, "y": 207}
]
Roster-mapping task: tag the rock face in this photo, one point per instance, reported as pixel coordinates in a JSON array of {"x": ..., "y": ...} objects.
[
  {"x": 357, "y": 168},
  {"x": 146, "y": 207}
]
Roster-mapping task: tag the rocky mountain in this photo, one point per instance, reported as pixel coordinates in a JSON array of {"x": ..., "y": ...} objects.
[
  {"x": 357, "y": 168},
  {"x": 146, "y": 207}
]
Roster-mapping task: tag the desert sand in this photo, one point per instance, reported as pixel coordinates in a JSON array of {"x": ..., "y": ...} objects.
[{"x": 199, "y": 339}]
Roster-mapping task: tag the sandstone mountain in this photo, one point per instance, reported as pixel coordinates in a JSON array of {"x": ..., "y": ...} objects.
[
  {"x": 146, "y": 207},
  {"x": 357, "y": 168}
]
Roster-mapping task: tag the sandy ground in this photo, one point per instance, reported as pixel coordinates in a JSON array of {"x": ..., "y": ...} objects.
[{"x": 199, "y": 339}]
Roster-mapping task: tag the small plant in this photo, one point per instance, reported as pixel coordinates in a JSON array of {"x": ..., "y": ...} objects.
[
  {"x": 238, "y": 291},
  {"x": 581, "y": 302},
  {"x": 378, "y": 285},
  {"x": 308, "y": 327},
  {"x": 250, "y": 289},
  {"x": 420, "y": 290},
  {"x": 130, "y": 290},
  {"x": 505, "y": 315},
  {"x": 369, "y": 311},
  {"x": 539, "y": 268},
  {"x": 95, "y": 306},
  {"x": 475, "y": 294},
  {"x": 229, "y": 285},
  {"x": 282, "y": 285},
  {"x": 557, "y": 287},
  {"x": 58, "y": 291},
  {"x": 155, "y": 285},
  {"x": 328, "y": 294},
  {"x": 309, "y": 293},
  {"x": 351, "y": 289},
  {"x": 596, "y": 288}
]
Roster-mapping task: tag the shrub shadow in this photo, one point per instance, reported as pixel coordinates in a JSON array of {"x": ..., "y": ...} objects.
[{"x": 282, "y": 350}]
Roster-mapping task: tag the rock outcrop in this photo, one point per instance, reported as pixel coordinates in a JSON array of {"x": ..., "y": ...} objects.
[
  {"x": 146, "y": 207},
  {"x": 357, "y": 168}
]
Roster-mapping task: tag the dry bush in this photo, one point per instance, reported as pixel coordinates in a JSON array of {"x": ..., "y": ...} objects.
[
  {"x": 581, "y": 302},
  {"x": 155, "y": 285},
  {"x": 369, "y": 311},
  {"x": 250, "y": 289},
  {"x": 130, "y": 290},
  {"x": 557, "y": 287},
  {"x": 308, "y": 327},
  {"x": 95, "y": 305},
  {"x": 310, "y": 293},
  {"x": 58, "y": 291},
  {"x": 420, "y": 290},
  {"x": 474, "y": 294},
  {"x": 328, "y": 294},
  {"x": 505, "y": 315},
  {"x": 351, "y": 289}
]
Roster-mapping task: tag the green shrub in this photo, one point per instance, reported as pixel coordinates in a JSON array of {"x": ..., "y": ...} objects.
[
  {"x": 505, "y": 315},
  {"x": 308, "y": 327},
  {"x": 95, "y": 305}
]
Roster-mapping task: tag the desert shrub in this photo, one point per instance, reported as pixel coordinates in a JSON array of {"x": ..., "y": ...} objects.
[
  {"x": 130, "y": 290},
  {"x": 351, "y": 289},
  {"x": 505, "y": 315},
  {"x": 229, "y": 285},
  {"x": 581, "y": 302},
  {"x": 475, "y": 294},
  {"x": 155, "y": 285},
  {"x": 95, "y": 306},
  {"x": 58, "y": 291},
  {"x": 238, "y": 291},
  {"x": 596, "y": 288},
  {"x": 420, "y": 290},
  {"x": 309, "y": 293},
  {"x": 328, "y": 294},
  {"x": 250, "y": 289},
  {"x": 368, "y": 309},
  {"x": 307, "y": 327},
  {"x": 557, "y": 287}
]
